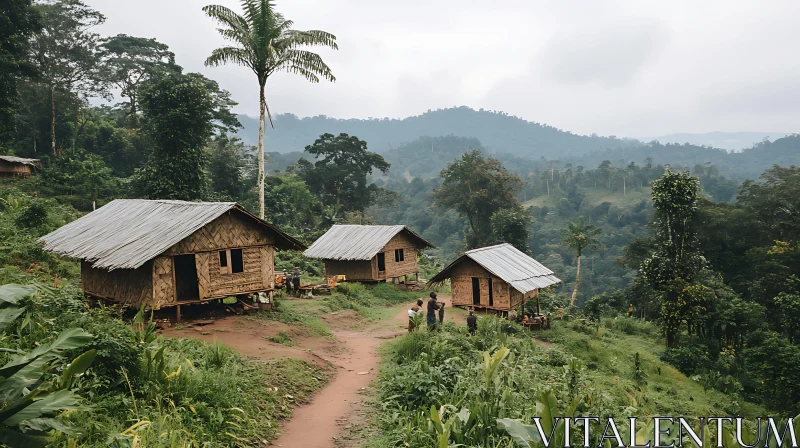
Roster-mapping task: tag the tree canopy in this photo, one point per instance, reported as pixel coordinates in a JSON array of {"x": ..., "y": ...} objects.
[
  {"x": 477, "y": 188},
  {"x": 339, "y": 174}
]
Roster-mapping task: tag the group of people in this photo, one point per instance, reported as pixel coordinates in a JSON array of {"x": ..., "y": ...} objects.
[
  {"x": 435, "y": 307},
  {"x": 292, "y": 281}
]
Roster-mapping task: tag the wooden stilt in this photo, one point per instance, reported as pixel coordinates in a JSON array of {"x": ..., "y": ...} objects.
[{"x": 177, "y": 313}]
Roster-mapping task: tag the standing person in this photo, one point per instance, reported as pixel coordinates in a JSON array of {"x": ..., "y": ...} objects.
[
  {"x": 433, "y": 305},
  {"x": 412, "y": 312},
  {"x": 472, "y": 322},
  {"x": 441, "y": 313},
  {"x": 296, "y": 280},
  {"x": 287, "y": 282}
]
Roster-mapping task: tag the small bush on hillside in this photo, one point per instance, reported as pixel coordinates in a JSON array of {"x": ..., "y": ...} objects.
[
  {"x": 632, "y": 326},
  {"x": 33, "y": 216},
  {"x": 690, "y": 360}
]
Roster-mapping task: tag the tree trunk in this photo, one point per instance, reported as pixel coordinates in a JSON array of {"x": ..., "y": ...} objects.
[
  {"x": 262, "y": 124},
  {"x": 134, "y": 117},
  {"x": 577, "y": 283},
  {"x": 53, "y": 118}
]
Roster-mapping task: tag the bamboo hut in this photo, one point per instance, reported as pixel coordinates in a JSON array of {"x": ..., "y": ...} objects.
[
  {"x": 11, "y": 166},
  {"x": 161, "y": 253},
  {"x": 369, "y": 253},
  {"x": 498, "y": 278}
]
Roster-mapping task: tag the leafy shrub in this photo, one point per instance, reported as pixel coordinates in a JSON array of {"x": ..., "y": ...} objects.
[
  {"x": 33, "y": 216},
  {"x": 691, "y": 359}
]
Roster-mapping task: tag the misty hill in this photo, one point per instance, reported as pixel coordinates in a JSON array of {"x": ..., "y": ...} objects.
[
  {"x": 732, "y": 141},
  {"x": 497, "y": 131},
  {"x": 426, "y": 156}
]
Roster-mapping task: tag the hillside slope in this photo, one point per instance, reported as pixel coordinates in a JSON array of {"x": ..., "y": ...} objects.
[{"x": 498, "y": 131}]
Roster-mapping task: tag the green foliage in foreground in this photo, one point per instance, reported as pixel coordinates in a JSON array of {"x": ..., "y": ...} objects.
[
  {"x": 149, "y": 391},
  {"x": 470, "y": 381},
  {"x": 23, "y": 219}
]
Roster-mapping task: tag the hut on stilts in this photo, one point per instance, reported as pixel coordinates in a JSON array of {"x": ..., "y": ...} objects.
[
  {"x": 162, "y": 253},
  {"x": 11, "y": 166},
  {"x": 496, "y": 278},
  {"x": 370, "y": 253}
]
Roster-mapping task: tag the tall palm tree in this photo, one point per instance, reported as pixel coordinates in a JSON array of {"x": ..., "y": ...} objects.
[
  {"x": 262, "y": 39},
  {"x": 580, "y": 236}
]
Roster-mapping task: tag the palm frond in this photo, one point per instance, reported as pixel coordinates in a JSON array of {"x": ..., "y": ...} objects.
[
  {"x": 311, "y": 37},
  {"x": 306, "y": 63},
  {"x": 269, "y": 114},
  {"x": 225, "y": 16},
  {"x": 225, "y": 55}
]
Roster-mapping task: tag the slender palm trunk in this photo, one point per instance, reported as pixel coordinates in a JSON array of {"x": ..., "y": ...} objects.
[
  {"x": 577, "y": 283},
  {"x": 53, "y": 118},
  {"x": 262, "y": 124}
]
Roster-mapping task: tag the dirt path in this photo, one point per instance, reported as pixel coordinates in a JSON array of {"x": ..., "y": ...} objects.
[{"x": 333, "y": 409}]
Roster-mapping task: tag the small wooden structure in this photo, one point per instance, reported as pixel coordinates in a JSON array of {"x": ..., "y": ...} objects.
[
  {"x": 165, "y": 253},
  {"x": 369, "y": 253},
  {"x": 499, "y": 278},
  {"x": 11, "y": 166}
]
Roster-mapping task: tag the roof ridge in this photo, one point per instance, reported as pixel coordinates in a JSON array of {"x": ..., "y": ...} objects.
[{"x": 479, "y": 249}]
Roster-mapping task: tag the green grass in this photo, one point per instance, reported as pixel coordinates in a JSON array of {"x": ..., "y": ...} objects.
[
  {"x": 281, "y": 338},
  {"x": 445, "y": 368},
  {"x": 145, "y": 390},
  {"x": 608, "y": 356},
  {"x": 300, "y": 313}
]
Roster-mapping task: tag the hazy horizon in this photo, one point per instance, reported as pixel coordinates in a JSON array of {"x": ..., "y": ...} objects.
[{"x": 613, "y": 68}]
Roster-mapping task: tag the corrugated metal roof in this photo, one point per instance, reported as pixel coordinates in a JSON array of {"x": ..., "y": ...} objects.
[
  {"x": 354, "y": 242},
  {"x": 522, "y": 272},
  {"x": 22, "y": 160},
  {"x": 126, "y": 233}
]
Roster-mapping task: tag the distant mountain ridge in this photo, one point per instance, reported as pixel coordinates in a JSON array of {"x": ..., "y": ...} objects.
[
  {"x": 731, "y": 141},
  {"x": 499, "y": 132}
]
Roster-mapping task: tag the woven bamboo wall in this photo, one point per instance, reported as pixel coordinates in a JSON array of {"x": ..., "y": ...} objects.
[
  {"x": 251, "y": 279},
  {"x": 408, "y": 265},
  {"x": 163, "y": 282},
  {"x": 354, "y": 270},
  {"x": 461, "y": 283},
  {"x": 15, "y": 169},
  {"x": 229, "y": 230},
  {"x": 267, "y": 267},
  {"x": 129, "y": 286}
]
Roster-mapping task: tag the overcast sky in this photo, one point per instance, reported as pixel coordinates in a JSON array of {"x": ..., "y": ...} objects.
[{"x": 626, "y": 68}]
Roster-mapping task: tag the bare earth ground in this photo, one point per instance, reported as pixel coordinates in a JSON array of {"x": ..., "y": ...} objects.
[{"x": 353, "y": 352}]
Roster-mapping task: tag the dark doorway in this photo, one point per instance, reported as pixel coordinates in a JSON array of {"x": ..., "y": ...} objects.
[
  {"x": 491, "y": 293},
  {"x": 186, "y": 287},
  {"x": 476, "y": 291},
  {"x": 381, "y": 262}
]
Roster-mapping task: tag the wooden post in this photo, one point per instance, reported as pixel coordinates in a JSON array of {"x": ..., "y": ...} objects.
[{"x": 177, "y": 314}]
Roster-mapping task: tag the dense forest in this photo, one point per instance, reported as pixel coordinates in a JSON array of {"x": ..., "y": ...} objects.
[{"x": 702, "y": 245}]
